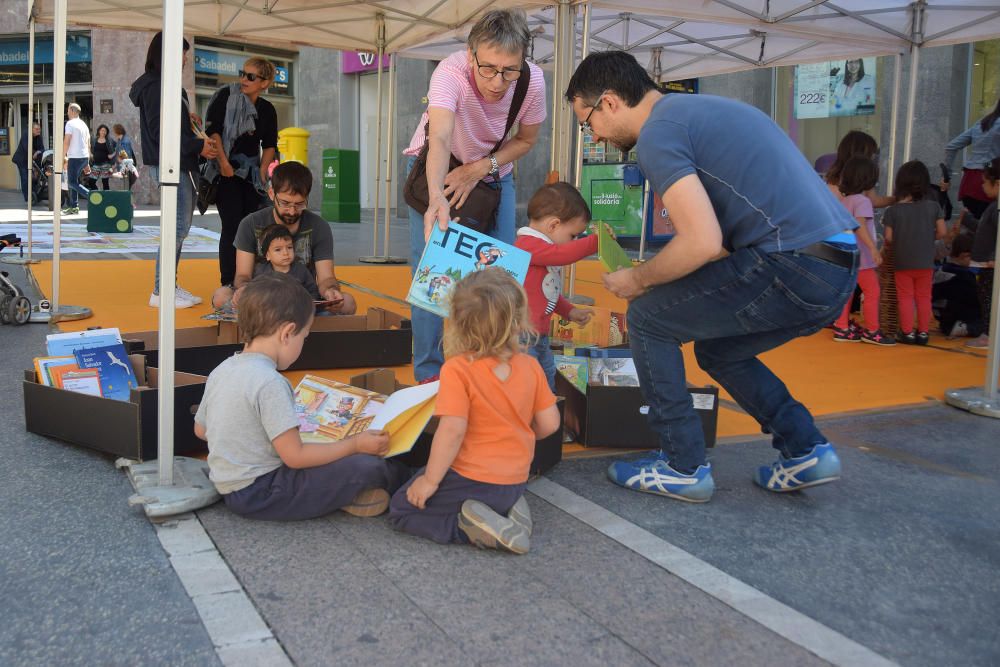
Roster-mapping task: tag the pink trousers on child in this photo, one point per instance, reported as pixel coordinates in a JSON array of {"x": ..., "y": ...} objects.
[
  {"x": 868, "y": 280},
  {"x": 914, "y": 285}
]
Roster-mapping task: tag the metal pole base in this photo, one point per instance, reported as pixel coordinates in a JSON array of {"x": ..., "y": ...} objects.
[
  {"x": 63, "y": 313},
  {"x": 377, "y": 259},
  {"x": 20, "y": 260},
  {"x": 190, "y": 491},
  {"x": 581, "y": 299},
  {"x": 974, "y": 400}
]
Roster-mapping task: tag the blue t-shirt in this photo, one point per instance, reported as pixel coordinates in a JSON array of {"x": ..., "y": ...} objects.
[{"x": 764, "y": 192}]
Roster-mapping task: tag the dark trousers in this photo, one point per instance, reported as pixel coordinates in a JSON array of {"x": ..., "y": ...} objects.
[
  {"x": 293, "y": 494},
  {"x": 438, "y": 521},
  {"x": 236, "y": 199}
]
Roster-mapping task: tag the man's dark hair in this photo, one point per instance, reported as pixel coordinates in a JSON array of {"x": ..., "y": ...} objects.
[
  {"x": 561, "y": 200},
  {"x": 859, "y": 175},
  {"x": 614, "y": 71},
  {"x": 913, "y": 180},
  {"x": 292, "y": 177},
  {"x": 273, "y": 233},
  {"x": 154, "y": 54},
  {"x": 269, "y": 301}
]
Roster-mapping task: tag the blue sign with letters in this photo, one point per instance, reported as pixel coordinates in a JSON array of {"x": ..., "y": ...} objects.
[{"x": 15, "y": 51}]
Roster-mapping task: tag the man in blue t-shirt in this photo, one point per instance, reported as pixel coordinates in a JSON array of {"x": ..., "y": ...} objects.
[{"x": 762, "y": 254}]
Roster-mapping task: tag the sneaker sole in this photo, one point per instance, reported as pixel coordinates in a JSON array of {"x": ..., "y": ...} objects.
[
  {"x": 818, "y": 482},
  {"x": 846, "y": 340},
  {"x": 483, "y": 535},
  {"x": 370, "y": 502},
  {"x": 874, "y": 342},
  {"x": 666, "y": 494},
  {"x": 522, "y": 518}
]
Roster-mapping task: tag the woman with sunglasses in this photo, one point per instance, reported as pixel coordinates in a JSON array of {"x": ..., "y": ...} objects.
[
  {"x": 469, "y": 99},
  {"x": 245, "y": 127}
]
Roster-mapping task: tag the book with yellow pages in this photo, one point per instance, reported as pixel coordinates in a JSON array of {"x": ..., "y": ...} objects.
[
  {"x": 612, "y": 256},
  {"x": 405, "y": 414}
]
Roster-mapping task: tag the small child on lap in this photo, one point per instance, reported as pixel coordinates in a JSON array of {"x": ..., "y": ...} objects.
[
  {"x": 493, "y": 403},
  {"x": 256, "y": 458}
]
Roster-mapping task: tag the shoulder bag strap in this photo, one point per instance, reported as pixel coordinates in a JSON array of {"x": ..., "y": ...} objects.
[{"x": 520, "y": 92}]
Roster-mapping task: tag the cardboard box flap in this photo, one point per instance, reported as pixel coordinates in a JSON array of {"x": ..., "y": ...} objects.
[{"x": 185, "y": 337}]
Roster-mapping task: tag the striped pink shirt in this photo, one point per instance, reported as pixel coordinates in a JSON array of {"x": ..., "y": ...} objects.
[{"x": 478, "y": 123}]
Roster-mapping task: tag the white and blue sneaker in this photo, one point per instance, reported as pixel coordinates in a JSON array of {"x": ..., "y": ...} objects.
[
  {"x": 819, "y": 466},
  {"x": 653, "y": 474}
]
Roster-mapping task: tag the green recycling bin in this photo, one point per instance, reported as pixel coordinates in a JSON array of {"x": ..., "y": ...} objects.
[{"x": 341, "y": 186}]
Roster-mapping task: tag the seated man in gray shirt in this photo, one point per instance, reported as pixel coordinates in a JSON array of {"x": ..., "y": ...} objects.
[{"x": 289, "y": 191}]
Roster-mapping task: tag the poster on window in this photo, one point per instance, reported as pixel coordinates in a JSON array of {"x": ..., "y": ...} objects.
[{"x": 835, "y": 88}]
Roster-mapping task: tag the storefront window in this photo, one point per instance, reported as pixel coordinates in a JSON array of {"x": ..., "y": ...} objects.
[
  {"x": 14, "y": 60},
  {"x": 985, "y": 79}
]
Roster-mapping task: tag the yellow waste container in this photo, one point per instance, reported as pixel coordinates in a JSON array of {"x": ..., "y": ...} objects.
[{"x": 293, "y": 144}]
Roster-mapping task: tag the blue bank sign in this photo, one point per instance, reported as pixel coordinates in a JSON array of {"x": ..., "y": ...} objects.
[
  {"x": 15, "y": 51},
  {"x": 213, "y": 62}
]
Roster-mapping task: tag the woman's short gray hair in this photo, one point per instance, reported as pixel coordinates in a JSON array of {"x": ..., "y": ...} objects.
[{"x": 507, "y": 29}]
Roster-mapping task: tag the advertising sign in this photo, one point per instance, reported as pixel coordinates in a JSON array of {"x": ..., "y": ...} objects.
[
  {"x": 353, "y": 62},
  {"x": 835, "y": 88}
]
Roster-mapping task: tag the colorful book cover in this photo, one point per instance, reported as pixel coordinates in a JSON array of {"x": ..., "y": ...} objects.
[
  {"x": 65, "y": 344},
  {"x": 44, "y": 367},
  {"x": 56, "y": 373},
  {"x": 605, "y": 329},
  {"x": 87, "y": 381},
  {"x": 612, "y": 256},
  {"x": 454, "y": 253},
  {"x": 613, "y": 372},
  {"x": 329, "y": 411},
  {"x": 574, "y": 369},
  {"x": 112, "y": 362},
  {"x": 405, "y": 414}
]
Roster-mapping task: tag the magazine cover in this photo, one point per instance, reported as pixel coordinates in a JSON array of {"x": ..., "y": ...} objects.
[
  {"x": 451, "y": 254},
  {"x": 329, "y": 411}
]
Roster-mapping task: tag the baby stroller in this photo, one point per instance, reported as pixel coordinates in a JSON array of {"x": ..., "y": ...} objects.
[
  {"x": 40, "y": 183},
  {"x": 14, "y": 306}
]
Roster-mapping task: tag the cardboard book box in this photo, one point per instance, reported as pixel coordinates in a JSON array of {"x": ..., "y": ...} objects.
[
  {"x": 377, "y": 338},
  {"x": 548, "y": 451},
  {"x": 616, "y": 416},
  {"x": 121, "y": 428}
]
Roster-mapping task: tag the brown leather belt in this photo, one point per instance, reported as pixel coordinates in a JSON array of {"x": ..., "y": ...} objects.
[{"x": 830, "y": 253}]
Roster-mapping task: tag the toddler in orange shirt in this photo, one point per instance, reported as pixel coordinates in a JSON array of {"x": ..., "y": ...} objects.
[{"x": 493, "y": 402}]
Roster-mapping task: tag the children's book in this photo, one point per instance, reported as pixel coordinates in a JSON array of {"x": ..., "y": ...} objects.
[
  {"x": 609, "y": 252},
  {"x": 454, "y": 253},
  {"x": 613, "y": 372},
  {"x": 65, "y": 344},
  {"x": 85, "y": 381},
  {"x": 405, "y": 414},
  {"x": 574, "y": 369},
  {"x": 112, "y": 362},
  {"x": 329, "y": 411},
  {"x": 56, "y": 373},
  {"x": 44, "y": 367},
  {"x": 605, "y": 328}
]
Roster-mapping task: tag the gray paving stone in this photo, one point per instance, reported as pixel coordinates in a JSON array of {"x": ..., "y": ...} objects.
[
  {"x": 267, "y": 653},
  {"x": 204, "y": 573}
]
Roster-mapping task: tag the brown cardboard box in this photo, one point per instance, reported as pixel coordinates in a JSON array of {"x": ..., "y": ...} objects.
[
  {"x": 120, "y": 428},
  {"x": 377, "y": 338}
]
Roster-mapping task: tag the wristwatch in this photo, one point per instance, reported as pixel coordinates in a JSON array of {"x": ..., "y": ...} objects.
[{"x": 494, "y": 167}]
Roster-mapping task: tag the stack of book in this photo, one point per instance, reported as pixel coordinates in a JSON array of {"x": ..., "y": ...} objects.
[{"x": 89, "y": 362}]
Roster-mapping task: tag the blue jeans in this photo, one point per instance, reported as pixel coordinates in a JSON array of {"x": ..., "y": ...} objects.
[
  {"x": 542, "y": 351},
  {"x": 185, "y": 211},
  {"x": 427, "y": 327},
  {"x": 733, "y": 309},
  {"x": 74, "y": 168}
]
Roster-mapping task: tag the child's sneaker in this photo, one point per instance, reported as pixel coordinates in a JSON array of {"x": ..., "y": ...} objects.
[
  {"x": 959, "y": 330},
  {"x": 923, "y": 338},
  {"x": 654, "y": 475},
  {"x": 819, "y": 466},
  {"x": 488, "y": 530},
  {"x": 520, "y": 514},
  {"x": 370, "y": 502},
  {"x": 908, "y": 338},
  {"x": 846, "y": 335},
  {"x": 876, "y": 338},
  {"x": 982, "y": 341}
]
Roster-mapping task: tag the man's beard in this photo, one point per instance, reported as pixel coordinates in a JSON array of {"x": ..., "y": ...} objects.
[{"x": 289, "y": 219}]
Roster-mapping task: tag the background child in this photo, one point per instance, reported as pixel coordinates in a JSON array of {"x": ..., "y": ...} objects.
[
  {"x": 911, "y": 226},
  {"x": 493, "y": 403},
  {"x": 953, "y": 296},
  {"x": 279, "y": 257},
  {"x": 859, "y": 175},
  {"x": 557, "y": 214},
  {"x": 126, "y": 168},
  {"x": 256, "y": 458},
  {"x": 984, "y": 247}
]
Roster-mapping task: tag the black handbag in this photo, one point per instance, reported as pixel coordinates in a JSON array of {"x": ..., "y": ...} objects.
[
  {"x": 208, "y": 191},
  {"x": 479, "y": 211}
]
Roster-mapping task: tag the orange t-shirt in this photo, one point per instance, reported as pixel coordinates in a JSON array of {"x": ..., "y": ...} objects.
[{"x": 499, "y": 443}]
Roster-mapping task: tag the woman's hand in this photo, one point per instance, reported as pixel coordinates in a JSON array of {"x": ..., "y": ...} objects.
[{"x": 460, "y": 181}]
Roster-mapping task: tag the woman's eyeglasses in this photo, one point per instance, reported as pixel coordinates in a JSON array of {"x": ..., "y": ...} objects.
[
  {"x": 489, "y": 71},
  {"x": 250, "y": 76}
]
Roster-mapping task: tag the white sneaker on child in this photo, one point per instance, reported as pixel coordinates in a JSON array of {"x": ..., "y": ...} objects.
[{"x": 179, "y": 301}]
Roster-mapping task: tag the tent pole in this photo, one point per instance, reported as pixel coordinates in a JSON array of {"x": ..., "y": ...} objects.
[
  {"x": 556, "y": 45},
  {"x": 894, "y": 123},
  {"x": 578, "y": 166},
  {"x": 390, "y": 157},
  {"x": 911, "y": 101},
  {"x": 31, "y": 123},
  {"x": 378, "y": 131},
  {"x": 58, "y": 123}
]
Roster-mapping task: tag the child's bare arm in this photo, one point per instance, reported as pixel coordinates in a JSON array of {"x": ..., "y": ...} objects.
[
  {"x": 200, "y": 432},
  {"x": 296, "y": 454},
  {"x": 447, "y": 441},
  {"x": 545, "y": 422},
  {"x": 862, "y": 233},
  {"x": 939, "y": 229}
]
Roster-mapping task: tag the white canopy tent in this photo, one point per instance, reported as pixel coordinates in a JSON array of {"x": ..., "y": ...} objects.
[{"x": 681, "y": 39}]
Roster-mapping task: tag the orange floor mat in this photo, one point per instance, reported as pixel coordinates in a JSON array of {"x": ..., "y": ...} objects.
[{"x": 828, "y": 377}]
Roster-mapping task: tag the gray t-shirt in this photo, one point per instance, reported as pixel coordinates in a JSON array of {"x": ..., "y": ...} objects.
[
  {"x": 313, "y": 239},
  {"x": 297, "y": 270},
  {"x": 914, "y": 225},
  {"x": 247, "y": 404}
]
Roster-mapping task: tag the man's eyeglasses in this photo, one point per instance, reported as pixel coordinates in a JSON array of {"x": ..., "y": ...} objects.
[
  {"x": 489, "y": 71},
  {"x": 250, "y": 76},
  {"x": 290, "y": 205},
  {"x": 585, "y": 125}
]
